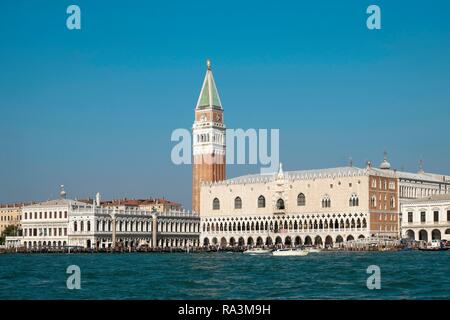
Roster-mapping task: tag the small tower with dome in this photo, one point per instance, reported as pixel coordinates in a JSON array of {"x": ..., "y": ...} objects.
[{"x": 385, "y": 165}]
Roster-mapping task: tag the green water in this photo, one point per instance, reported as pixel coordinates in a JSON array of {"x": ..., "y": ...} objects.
[{"x": 404, "y": 275}]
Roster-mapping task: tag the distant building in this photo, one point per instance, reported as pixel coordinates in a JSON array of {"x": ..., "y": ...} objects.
[
  {"x": 427, "y": 218},
  {"x": 417, "y": 185},
  {"x": 90, "y": 224},
  {"x": 10, "y": 215},
  {"x": 45, "y": 224}
]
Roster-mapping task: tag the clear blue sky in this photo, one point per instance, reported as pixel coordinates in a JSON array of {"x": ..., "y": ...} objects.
[{"x": 94, "y": 109}]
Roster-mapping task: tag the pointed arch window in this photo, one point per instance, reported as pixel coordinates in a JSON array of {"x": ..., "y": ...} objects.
[
  {"x": 261, "y": 202},
  {"x": 373, "y": 202},
  {"x": 392, "y": 202},
  {"x": 326, "y": 202},
  {"x": 354, "y": 200},
  {"x": 280, "y": 204},
  {"x": 301, "y": 200},
  {"x": 238, "y": 203},
  {"x": 216, "y": 204}
]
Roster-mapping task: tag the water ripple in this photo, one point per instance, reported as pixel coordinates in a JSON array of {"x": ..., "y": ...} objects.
[{"x": 404, "y": 275}]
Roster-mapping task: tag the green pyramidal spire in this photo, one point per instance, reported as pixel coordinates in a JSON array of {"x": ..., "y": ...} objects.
[{"x": 209, "y": 97}]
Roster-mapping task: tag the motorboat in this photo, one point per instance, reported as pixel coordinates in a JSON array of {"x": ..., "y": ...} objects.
[
  {"x": 257, "y": 251},
  {"x": 436, "y": 245},
  {"x": 313, "y": 250},
  {"x": 290, "y": 252}
]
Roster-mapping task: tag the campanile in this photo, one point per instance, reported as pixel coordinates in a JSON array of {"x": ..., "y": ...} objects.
[{"x": 208, "y": 136}]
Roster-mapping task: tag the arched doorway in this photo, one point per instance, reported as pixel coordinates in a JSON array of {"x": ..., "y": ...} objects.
[
  {"x": 339, "y": 239},
  {"x": 350, "y": 238},
  {"x": 250, "y": 241},
  {"x": 223, "y": 242},
  {"x": 241, "y": 242},
  {"x": 361, "y": 236},
  {"x": 259, "y": 241},
  {"x": 232, "y": 242},
  {"x": 88, "y": 243},
  {"x": 206, "y": 242},
  {"x": 288, "y": 241},
  {"x": 410, "y": 234},
  {"x": 278, "y": 240},
  {"x": 298, "y": 241},
  {"x": 308, "y": 241},
  {"x": 214, "y": 241},
  {"x": 269, "y": 241},
  {"x": 328, "y": 242},
  {"x": 318, "y": 241},
  {"x": 435, "y": 234},
  {"x": 423, "y": 235}
]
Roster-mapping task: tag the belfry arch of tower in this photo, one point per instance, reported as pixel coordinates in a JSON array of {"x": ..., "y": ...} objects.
[{"x": 208, "y": 133}]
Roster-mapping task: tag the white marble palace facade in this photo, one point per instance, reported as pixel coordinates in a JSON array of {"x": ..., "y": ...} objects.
[
  {"x": 64, "y": 222},
  {"x": 321, "y": 207},
  {"x": 93, "y": 226},
  {"x": 312, "y": 207},
  {"x": 427, "y": 218}
]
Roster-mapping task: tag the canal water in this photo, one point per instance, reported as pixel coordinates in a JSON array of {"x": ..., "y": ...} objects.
[{"x": 338, "y": 275}]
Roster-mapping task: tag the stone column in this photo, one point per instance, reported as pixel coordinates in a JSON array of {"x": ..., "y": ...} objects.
[
  {"x": 154, "y": 231},
  {"x": 113, "y": 226}
]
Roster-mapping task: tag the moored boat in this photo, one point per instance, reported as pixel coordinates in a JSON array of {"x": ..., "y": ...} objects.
[
  {"x": 290, "y": 252},
  {"x": 257, "y": 251},
  {"x": 434, "y": 249}
]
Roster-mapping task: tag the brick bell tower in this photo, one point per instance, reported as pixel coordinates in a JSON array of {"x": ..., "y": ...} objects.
[{"x": 208, "y": 136}]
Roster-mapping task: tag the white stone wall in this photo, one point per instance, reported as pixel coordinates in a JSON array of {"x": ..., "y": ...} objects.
[
  {"x": 41, "y": 229},
  {"x": 318, "y": 223},
  {"x": 430, "y": 229},
  {"x": 339, "y": 190}
]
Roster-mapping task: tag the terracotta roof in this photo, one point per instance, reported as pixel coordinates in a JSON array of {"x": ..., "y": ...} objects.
[
  {"x": 16, "y": 205},
  {"x": 139, "y": 202}
]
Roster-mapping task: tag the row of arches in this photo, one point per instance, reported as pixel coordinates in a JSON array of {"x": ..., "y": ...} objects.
[
  {"x": 178, "y": 226},
  {"x": 122, "y": 225},
  {"x": 424, "y": 235},
  {"x": 178, "y": 242},
  {"x": 40, "y": 244},
  {"x": 137, "y": 226},
  {"x": 319, "y": 241},
  {"x": 289, "y": 225}
]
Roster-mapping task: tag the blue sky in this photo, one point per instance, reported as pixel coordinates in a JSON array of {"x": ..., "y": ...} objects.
[{"x": 94, "y": 109}]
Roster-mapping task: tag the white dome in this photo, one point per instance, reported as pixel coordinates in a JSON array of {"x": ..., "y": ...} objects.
[{"x": 385, "y": 164}]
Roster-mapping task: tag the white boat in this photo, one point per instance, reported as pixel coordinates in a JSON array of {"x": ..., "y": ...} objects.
[
  {"x": 290, "y": 252},
  {"x": 256, "y": 251},
  {"x": 314, "y": 250}
]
